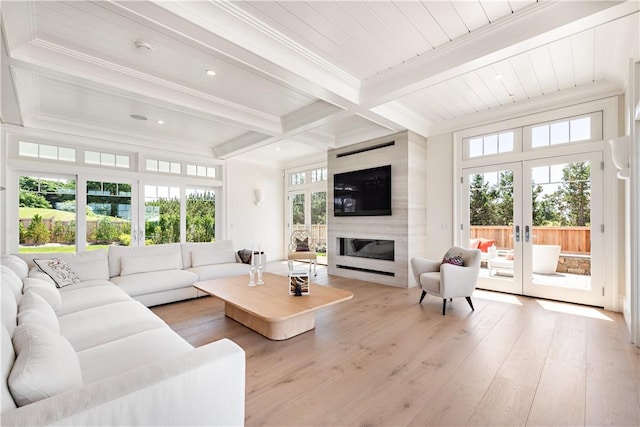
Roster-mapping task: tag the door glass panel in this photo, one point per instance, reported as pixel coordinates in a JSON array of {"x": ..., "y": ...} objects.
[
  {"x": 47, "y": 214},
  {"x": 491, "y": 222},
  {"x": 319, "y": 224},
  {"x": 108, "y": 216},
  {"x": 561, "y": 232},
  {"x": 297, "y": 212},
  {"x": 201, "y": 215},
  {"x": 161, "y": 214}
]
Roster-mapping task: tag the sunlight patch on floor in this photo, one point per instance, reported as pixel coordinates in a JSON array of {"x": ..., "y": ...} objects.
[
  {"x": 577, "y": 310},
  {"x": 496, "y": 296}
]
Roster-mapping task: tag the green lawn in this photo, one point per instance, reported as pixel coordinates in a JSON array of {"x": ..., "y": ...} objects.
[
  {"x": 50, "y": 249},
  {"x": 47, "y": 213}
]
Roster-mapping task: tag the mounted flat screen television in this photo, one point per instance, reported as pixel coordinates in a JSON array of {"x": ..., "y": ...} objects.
[{"x": 364, "y": 192}]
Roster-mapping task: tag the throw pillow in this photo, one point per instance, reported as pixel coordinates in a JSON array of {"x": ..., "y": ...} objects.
[
  {"x": 45, "y": 289},
  {"x": 485, "y": 244},
  {"x": 35, "y": 310},
  {"x": 473, "y": 243},
  {"x": 302, "y": 245},
  {"x": 46, "y": 364},
  {"x": 454, "y": 259},
  {"x": 58, "y": 270}
]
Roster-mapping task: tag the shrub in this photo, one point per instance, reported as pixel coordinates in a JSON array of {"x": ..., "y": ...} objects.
[
  {"x": 37, "y": 232},
  {"x": 23, "y": 232},
  {"x": 106, "y": 232},
  {"x": 124, "y": 239}
]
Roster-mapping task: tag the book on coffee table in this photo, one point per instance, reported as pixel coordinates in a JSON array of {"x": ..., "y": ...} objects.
[{"x": 299, "y": 283}]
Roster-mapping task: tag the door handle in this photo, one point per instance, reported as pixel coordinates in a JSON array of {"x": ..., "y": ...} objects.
[
  {"x": 517, "y": 233},
  {"x": 526, "y": 234}
]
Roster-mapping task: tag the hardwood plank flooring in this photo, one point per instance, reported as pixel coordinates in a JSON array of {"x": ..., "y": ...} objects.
[{"x": 383, "y": 359}]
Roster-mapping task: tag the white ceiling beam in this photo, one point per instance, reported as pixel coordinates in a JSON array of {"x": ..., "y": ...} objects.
[
  {"x": 229, "y": 30},
  {"x": 403, "y": 116},
  {"x": 239, "y": 145},
  {"x": 522, "y": 31},
  {"x": 311, "y": 116}
]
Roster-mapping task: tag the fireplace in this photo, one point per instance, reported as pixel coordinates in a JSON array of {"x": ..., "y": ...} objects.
[{"x": 367, "y": 248}]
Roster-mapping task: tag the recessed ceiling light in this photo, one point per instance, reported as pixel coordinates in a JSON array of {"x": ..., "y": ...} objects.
[
  {"x": 210, "y": 73},
  {"x": 137, "y": 117},
  {"x": 160, "y": 122},
  {"x": 277, "y": 148},
  {"x": 498, "y": 76}
]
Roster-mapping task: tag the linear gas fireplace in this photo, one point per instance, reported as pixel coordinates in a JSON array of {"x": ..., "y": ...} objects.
[{"x": 367, "y": 248}]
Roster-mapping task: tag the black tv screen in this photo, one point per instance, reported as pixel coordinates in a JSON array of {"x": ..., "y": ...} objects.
[{"x": 365, "y": 192}]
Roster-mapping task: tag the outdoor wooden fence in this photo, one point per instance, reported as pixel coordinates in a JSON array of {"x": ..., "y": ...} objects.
[
  {"x": 318, "y": 232},
  {"x": 572, "y": 240}
]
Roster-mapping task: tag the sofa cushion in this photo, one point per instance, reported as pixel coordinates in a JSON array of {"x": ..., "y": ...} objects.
[
  {"x": 117, "y": 253},
  {"x": 9, "y": 307},
  {"x": 208, "y": 272},
  {"x": 7, "y": 358},
  {"x": 156, "y": 281},
  {"x": 45, "y": 365},
  {"x": 209, "y": 257},
  {"x": 35, "y": 310},
  {"x": 11, "y": 281},
  {"x": 18, "y": 265},
  {"x": 58, "y": 270},
  {"x": 79, "y": 298},
  {"x": 36, "y": 273},
  {"x": 45, "y": 289},
  {"x": 88, "y": 265},
  {"x": 189, "y": 248},
  {"x": 149, "y": 263},
  {"x": 134, "y": 351},
  {"x": 98, "y": 325}
]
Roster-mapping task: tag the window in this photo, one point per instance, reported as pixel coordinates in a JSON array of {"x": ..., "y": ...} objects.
[
  {"x": 318, "y": 175},
  {"x": 46, "y": 151},
  {"x": 576, "y": 129},
  {"x": 163, "y": 166},
  {"x": 201, "y": 215},
  {"x": 297, "y": 178},
  {"x": 201, "y": 170},
  {"x": 161, "y": 214},
  {"x": 491, "y": 144},
  {"x": 107, "y": 159}
]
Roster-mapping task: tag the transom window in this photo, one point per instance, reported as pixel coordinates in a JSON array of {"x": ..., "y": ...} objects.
[
  {"x": 491, "y": 144},
  {"x": 298, "y": 178},
  {"x": 561, "y": 132},
  {"x": 46, "y": 151},
  {"x": 153, "y": 165},
  {"x": 318, "y": 175},
  {"x": 107, "y": 159},
  {"x": 201, "y": 170}
]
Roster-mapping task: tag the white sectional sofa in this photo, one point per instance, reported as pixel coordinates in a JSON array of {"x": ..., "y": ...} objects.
[{"x": 90, "y": 354}]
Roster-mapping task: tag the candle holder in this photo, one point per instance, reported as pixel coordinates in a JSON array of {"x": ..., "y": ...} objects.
[
  {"x": 252, "y": 275},
  {"x": 260, "y": 270}
]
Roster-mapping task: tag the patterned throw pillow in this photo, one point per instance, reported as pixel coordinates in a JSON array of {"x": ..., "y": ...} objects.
[
  {"x": 451, "y": 258},
  {"x": 58, "y": 270},
  {"x": 302, "y": 245}
]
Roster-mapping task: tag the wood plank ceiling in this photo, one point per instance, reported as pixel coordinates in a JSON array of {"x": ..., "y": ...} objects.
[{"x": 302, "y": 75}]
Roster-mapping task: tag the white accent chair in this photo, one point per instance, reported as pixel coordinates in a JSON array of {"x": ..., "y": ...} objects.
[
  {"x": 448, "y": 281},
  {"x": 302, "y": 248}
]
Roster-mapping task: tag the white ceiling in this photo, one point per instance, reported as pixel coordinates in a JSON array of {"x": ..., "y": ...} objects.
[{"x": 295, "y": 78}]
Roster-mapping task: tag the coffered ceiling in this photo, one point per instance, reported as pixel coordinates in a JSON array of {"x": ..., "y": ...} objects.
[{"x": 295, "y": 78}]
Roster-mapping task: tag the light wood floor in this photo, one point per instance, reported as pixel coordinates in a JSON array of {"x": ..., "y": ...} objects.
[{"x": 382, "y": 359}]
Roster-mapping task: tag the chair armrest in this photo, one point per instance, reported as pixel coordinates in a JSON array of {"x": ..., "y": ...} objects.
[
  {"x": 205, "y": 386},
  {"x": 423, "y": 265},
  {"x": 457, "y": 281}
]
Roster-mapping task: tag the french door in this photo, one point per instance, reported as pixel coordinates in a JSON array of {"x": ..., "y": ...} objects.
[
  {"x": 539, "y": 226},
  {"x": 308, "y": 211}
]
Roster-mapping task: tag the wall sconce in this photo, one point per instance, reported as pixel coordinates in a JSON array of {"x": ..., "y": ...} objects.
[
  {"x": 259, "y": 195},
  {"x": 620, "y": 155}
]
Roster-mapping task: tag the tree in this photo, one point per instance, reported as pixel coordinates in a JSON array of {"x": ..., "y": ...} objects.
[
  {"x": 33, "y": 200},
  {"x": 106, "y": 231},
  {"x": 575, "y": 194},
  {"x": 37, "y": 232},
  {"x": 201, "y": 217},
  {"x": 504, "y": 202},
  {"x": 481, "y": 208},
  {"x": 164, "y": 226}
]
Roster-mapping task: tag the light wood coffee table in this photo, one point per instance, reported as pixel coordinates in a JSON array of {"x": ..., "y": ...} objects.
[{"x": 269, "y": 309}]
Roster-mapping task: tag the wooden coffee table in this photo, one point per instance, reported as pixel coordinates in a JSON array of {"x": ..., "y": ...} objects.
[{"x": 269, "y": 309}]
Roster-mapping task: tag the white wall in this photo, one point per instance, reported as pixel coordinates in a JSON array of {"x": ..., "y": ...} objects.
[
  {"x": 440, "y": 203},
  {"x": 248, "y": 224}
]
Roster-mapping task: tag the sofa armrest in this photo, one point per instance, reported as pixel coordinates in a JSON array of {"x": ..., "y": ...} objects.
[
  {"x": 205, "y": 386},
  {"x": 424, "y": 265},
  {"x": 457, "y": 281}
]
